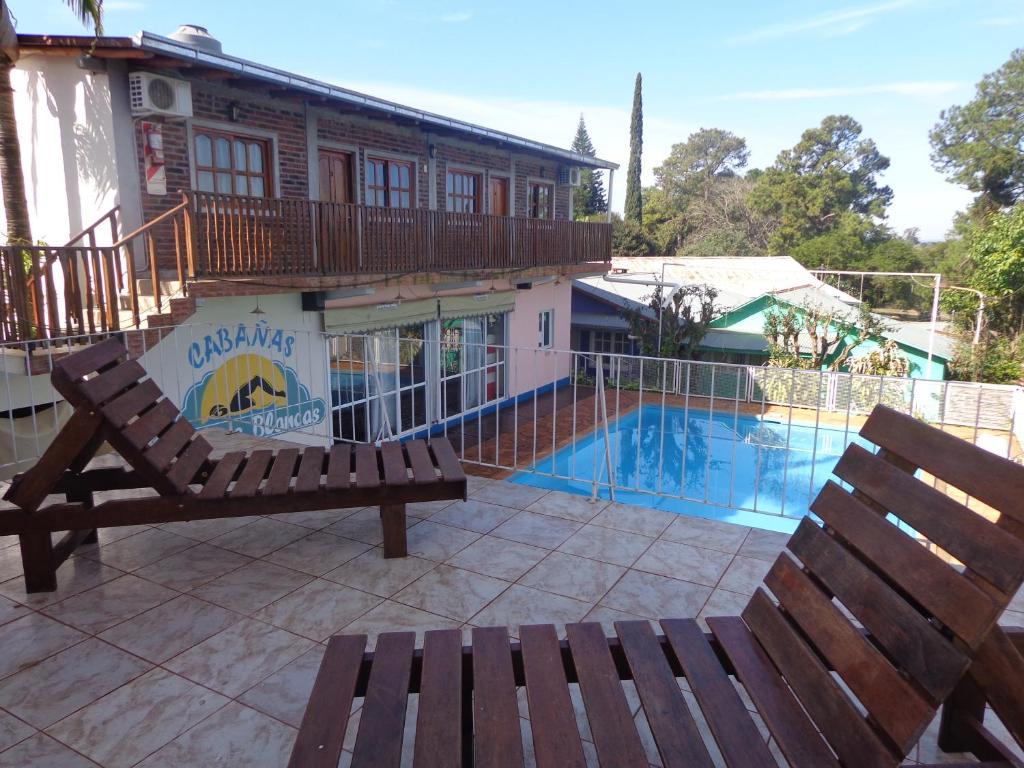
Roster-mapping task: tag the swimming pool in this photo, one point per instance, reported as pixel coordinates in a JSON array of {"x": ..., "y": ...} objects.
[{"x": 737, "y": 468}]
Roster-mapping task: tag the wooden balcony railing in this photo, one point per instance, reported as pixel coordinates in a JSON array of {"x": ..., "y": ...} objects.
[{"x": 247, "y": 236}]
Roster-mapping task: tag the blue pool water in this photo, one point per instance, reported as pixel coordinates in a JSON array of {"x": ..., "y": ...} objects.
[{"x": 740, "y": 469}]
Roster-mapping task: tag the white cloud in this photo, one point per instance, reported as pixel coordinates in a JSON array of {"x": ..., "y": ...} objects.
[
  {"x": 910, "y": 88},
  {"x": 833, "y": 24},
  {"x": 456, "y": 17}
]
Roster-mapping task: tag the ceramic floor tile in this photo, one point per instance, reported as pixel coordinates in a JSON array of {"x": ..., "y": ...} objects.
[
  {"x": 318, "y": 609},
  {"x": 40, "y": 751},
  {"x": 425, "y": 509},
  {"x": 500, "y": 558},
  {"x": 204, "y": 530},
  {"x": 109, "y": 603},
  {"x": 475, "y": 482},
  {"x": 508, "y": 494},
  {"x": 764, "y": 545},
  {"x": 572, "y": 576},
  {"x": 537, "y": 530},
  {"x": 252, "y": 586},
  {"x": 364, "y": 526},
  {"x": 75, "y": 575},
  {"x": 474, "y": 515},
  {"x": 234, "y": 737},
  {"x": 12, "y": 730},
  {"x": 710, "y": 534},
  {"x": 451, "y": 592},
  {"x": 656, "y": 597},
  {"x": 167, "y": 630},
  {"x": 433, "y": 541},
  {"x": 524, "y": 605},
  {"x": 571, "y": 506},
  {"x": 260, "y": 537},
  {"x": 107, "y": 536},
  {"x": 390, "y": 616},
  {"x": 10, "y": 563},
  {"x": 57, "y": 686},
  {"x": 10, "y": 610},
  {"x": 285, "y": 693},
  {"x": 193, "y": 567},
  {"x": 133, "y": 721},
  {"x": 608, "y": 616},
  {"x": 314, "y": 519},
  {"x": 143, "y": 548},
  {"x": 745, "y": 575},
  {"x": 626, "y": 517},
  {"x": 722, "y": 603},
  {"x": 30, "y": 639},
  {"x": 317, "y": 553},
  {"x": 239, "y": 657},
  {"x": 681, "y": 561},
  {"x": 607, "y": 544},
  {"x": 372, "y": 572}
]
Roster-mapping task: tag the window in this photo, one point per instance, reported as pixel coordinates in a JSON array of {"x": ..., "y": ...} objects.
[
  {"x": 463, "y": 190},
  {"x": 389, "y": 182},
  {"x": 231, "y": 164},
  {"x": 539, "y": 200},
  {"x": 610, "y": 342},
  {"x": 545, "y": 328},
  {"x": 472, "y": 362}
]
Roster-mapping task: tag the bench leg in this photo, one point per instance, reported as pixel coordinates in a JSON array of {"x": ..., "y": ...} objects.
[
  {"x": 392, "y": 518},
  {"x": 965, "y": 700},
  {"x": 38, "y": 561}
]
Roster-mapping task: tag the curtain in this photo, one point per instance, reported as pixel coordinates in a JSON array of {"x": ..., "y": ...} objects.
[{"x": 474, "y": 355}]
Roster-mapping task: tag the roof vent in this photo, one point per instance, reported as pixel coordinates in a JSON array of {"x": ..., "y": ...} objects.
[{"x": 197, "y": 37}]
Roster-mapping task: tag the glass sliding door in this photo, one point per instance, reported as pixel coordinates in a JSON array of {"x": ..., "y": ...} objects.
[{"x": 472, "y": 362}]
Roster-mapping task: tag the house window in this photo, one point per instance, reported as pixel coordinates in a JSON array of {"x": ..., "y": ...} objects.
[
  {"x": 545, "y": 328},
  {"x": 227, "y": 163},
  {"x": 539, "y": 200},
  {"x": 463, "y": 190},
  {"x": 389, "y": 182},
  {"x": 610, "y": 342}
]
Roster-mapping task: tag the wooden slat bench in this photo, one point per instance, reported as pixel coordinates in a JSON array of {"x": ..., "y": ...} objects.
[
  {"x": 115, "y": 402},
  {"x": 830, "y": 689}
]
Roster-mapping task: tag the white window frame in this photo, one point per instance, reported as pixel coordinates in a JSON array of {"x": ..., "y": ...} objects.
[{"x": 549, "y": 314}]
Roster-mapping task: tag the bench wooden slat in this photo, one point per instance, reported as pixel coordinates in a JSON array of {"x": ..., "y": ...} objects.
[
  {"x": 367, "y": 472},
  {"x": 382, "y": 721},
  {"x": 222, "y": 474},
  {"x": 393, "y": 459},
  {"x": 281, "y": 472},
  {"x": 439, "y": 719},
  {"x": 981, "y": 474},
  {"x": 894, "y": 704},
  {"x": 497, "y": 741},
  {"x": 169, "y": 445},
  {"x": 556, "y": 739},
  {"x": 339, "y": 468},
  {"x": 611, "y": 722},
  {"x": 734, "y": 731},
  {"x": 324, "y": 723},
  {"x": 907, "y": 637},
  {"x": 189, "y": 462},
  {"x": 993, "y": 553},
  {"x": 95, "y": 357},
  {"x": 849, "y": 734},
  {"x": 673, "y": 727},
  {"x": 123, "y": 408},
  {"x": 252, "y": 474},
  {"x": 307, "y": 478},
  {"x": 150, "y": 424},
  {"x": 794, "y": 733},
  {"x": 447, "y": 461},
  {"x": 421, "y": 463},
  {"x": 952, "y": 599},
  {"x": 103, "y": 387}
]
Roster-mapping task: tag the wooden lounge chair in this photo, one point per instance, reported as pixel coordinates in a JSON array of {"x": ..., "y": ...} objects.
[
  {"x": 115, "y": 402},
  {"x": 830, "y": 691}
]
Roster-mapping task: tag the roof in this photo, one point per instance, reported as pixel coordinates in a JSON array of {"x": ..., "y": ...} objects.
[
  {"x": 915, "y": 334},
  {"x": 148, "y": 44}
]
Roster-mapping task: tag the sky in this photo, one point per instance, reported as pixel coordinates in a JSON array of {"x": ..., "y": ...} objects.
[{"x": 763, "y": 70}]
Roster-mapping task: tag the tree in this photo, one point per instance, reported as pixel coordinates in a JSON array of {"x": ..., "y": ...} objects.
[
  {"x": 995, "y": 252},
  {"x": 588, "y": 198},
  {"x": 12, "y": 177},
  {"x": 831, "y": 171},
  {"x": 685, "y": 316},
  {"x": 887, "y": 360},
  {"x": 981, "y": 144},
  {"x": 694, "y": 165},
  {"x": 634, "y": 207},
  {"x": 833, "y": 334}
]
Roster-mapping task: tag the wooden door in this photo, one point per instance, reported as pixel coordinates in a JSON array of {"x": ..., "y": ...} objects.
[
  {"x": 499, "y": 196},
  {"x": 336, "y": 244},
  {"x": 335, "y": 176}
]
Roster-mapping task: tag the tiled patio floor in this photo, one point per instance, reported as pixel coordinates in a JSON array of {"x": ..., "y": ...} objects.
[{"x": 196, "y": 644}]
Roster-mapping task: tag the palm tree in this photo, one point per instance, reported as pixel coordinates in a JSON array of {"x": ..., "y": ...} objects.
[{"x": 12, "y": 179}]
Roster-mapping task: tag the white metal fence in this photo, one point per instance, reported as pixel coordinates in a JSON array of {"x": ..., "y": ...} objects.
[{"x": 682, "y": 435}]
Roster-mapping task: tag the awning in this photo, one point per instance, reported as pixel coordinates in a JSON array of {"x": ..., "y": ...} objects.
[
  {"x": 477, "y": 304},
  {"x": 377, "y": 317}
]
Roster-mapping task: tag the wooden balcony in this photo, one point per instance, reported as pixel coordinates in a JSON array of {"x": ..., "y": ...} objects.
[{"x": 235, "y": 236}]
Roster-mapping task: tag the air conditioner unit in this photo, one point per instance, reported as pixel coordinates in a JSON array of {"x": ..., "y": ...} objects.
[
  {"x": 159, "y": 95},
  {"x": 568, "y": 175},
  {"x": 574, "y": 177}
]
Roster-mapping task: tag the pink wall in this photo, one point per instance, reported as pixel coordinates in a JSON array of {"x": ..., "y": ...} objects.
[{"x": 530, "y": 367}]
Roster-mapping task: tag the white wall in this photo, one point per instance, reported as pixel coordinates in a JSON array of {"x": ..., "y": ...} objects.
[
  {"x": 530, "y": 367},
  {"x": 66, "y": 132}
]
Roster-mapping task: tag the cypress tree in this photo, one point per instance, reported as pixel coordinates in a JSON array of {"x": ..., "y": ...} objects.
[
  {"x": 589, "y": 197},
  {"x": 634, "y": 206}
]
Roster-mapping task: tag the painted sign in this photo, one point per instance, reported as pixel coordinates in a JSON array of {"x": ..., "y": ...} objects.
[
  {"x": 246, "y": 378},
  {"x": 153, "y": 155}
]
